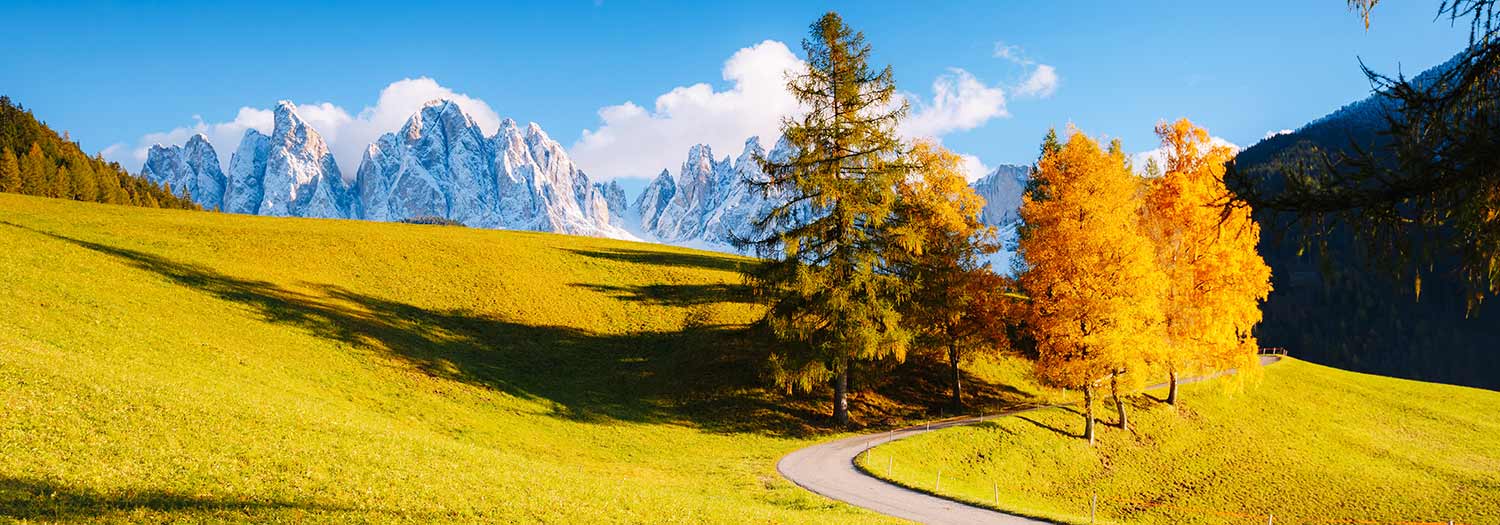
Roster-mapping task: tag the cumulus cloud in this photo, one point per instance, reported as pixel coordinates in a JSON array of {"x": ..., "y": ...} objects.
[
  {"x": 1042, "y": 83},
  {"x": 633, "y": 141},
  {"x": 1138, "y": 161},
  {"x": 959, "y": 102},
  {"x": 347, "y": 134},
  {"x": 973, "y": 168},
  {"x": 636, "y": 141}
]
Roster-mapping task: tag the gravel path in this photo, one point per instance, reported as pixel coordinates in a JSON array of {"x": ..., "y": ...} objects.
[{"x": 828, "y": 469}]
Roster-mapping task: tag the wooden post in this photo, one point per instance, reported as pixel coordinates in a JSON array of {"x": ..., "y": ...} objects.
[
  {"x": 1093, "y": 506},
  {"x": 1272, "y": 519},
  {"x": 996, "y": 486},
  {"x": 890, "y": 466},
  {"x": 939, "y": 486}
]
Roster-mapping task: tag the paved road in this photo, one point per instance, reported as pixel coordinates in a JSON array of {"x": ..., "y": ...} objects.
[{"x": 828, "y": 469}]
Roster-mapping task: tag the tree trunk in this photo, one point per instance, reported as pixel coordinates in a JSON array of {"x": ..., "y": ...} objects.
[
  {"x": 841, "y": 397},
  {"x": 1114, "y": 388},
  {"x": 958, "y": 390},
  {"x": 1172, "y": 387},
  {"x": 1088, "y": 413}
]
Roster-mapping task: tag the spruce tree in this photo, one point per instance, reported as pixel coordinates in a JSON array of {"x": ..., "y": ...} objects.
[
  {"x": 34, "y": 168},
  {"x": 10, "y": 172},
  {"x": 833, "y": 303}
]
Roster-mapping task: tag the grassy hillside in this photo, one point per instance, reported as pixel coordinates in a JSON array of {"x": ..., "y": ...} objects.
[
  {"x": 1308, "y": 443},
  {"x": 185, "y": 366},
  {"x": 162, "y": 365}
]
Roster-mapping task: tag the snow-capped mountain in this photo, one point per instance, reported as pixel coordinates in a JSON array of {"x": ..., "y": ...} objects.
[
  {"x": 1001, "y": 191},
  {"x": 290, "y": 173},
  {"x": 709, "y": 202},
  {"x": 190, "y": 169},
  {"x": 439, "y": 164}
]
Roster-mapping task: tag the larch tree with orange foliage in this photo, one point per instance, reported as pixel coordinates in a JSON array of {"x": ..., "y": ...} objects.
[
  {"x": 1215, "y": 278},
  {"x": 957, "y": 305},
  {"x": 1090, "y": 272}
]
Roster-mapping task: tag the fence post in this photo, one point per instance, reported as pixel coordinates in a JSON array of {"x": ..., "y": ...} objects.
[
  {"x": 1093, "y": 506},
  {"x": 939, "y": 486},
  {"x": 1272, "y": 519},
  {"x": 890, "y": 466},
  {"x": 996, "y": 486}
]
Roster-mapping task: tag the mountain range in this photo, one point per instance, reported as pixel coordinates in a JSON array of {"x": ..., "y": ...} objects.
[{"x": 440, "y": 165}]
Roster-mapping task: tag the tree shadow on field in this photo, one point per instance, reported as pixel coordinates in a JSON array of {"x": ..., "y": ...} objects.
[
  {"x": 724, "y": 262},
  {"x": 676, "y": 294},
  {"x": 703, "y": 376},
  {"x": 1045, "y": 426},
  {"x": 26, "y": 499}
]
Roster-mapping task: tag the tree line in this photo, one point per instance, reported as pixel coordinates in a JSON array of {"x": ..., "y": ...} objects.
[
  {"x": 35, "y": 160},
  {"x": 877, "y": 250}
]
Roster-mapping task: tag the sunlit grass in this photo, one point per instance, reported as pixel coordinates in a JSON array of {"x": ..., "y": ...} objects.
[
  {"x": 174, "y": 366},
  {"x": 1307, "y": 443}
]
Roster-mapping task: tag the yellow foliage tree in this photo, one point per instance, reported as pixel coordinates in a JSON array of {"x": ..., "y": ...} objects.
[
  {"x": 1090, "y": 272},
  {"x": 1215, "y": 278},
  {"x": 956, "y": 304}
]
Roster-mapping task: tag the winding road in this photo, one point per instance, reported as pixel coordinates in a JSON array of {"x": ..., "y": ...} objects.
[{"x": 828, "y": 469}]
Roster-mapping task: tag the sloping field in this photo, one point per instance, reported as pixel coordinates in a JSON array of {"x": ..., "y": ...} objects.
[{"x": 1302, "y": 442}]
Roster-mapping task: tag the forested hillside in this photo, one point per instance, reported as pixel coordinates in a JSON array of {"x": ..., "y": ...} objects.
[
  {"x": 1336, "y": 304},
  {"x": 35, "y": 160}
]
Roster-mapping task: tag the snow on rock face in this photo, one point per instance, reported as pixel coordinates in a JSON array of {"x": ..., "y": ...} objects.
[
  {"x": 710, "y": 203},
  {"x": 301, "y": 178},
  {"x": 441, "y": 165},
  {"x": 247, "y": 167},
  {"x": 1001, "y": 191},
  {"x": 191, "y": 170}
]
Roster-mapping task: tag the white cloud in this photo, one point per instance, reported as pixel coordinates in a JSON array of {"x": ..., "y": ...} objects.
[
  {"x": 973, "y": 168},
  {"x": 1138, "y": 161},
  {"x": 1041, "y": 79},
  {"x": 632, "y": 141},
  {"x": 959, "y": 102},
  {"x": 1042, "y": 83},
  {"x": 347, "y": 135}
]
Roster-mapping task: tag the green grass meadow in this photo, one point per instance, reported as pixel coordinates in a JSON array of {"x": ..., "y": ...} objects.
[
  {"x": 1303, "y": 442},
  {"x": 178, "y": 366}
]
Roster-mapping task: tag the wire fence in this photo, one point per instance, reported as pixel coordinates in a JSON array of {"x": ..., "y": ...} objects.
[{"x": 1091, "y": 501}]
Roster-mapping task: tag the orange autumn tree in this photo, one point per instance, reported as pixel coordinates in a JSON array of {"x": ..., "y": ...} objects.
[
  {"x": 1215, "y": 278},
  {"x": 956, "y": 304},
  {"x": 1090, "y": 272}
]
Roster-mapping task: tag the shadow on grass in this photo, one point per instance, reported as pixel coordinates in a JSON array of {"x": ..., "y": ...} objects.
[
  {"x": 27, "y": 499},
  {"x": 676, "y": 294},
  {"x": 703, "y": 376},
  {"x": 1042, "y": 425},
  {"x": 725, "y": 262}
]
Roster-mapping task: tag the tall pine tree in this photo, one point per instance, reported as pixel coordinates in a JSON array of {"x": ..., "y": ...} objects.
[
  {"x": 833, "y": 301},
  {"x": 10, "y": 172},
  {"x": 34, "y": 171}
]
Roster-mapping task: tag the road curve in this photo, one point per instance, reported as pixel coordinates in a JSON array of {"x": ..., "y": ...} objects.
[{"x": 828, "y": 469}]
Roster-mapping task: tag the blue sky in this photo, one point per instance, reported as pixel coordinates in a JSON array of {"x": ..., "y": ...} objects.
[{"x": 112, "y": 74}]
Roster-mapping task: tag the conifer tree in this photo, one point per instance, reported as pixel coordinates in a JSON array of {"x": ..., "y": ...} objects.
[
  {"x": 833, "y": 301},
  {"x": 10, "y": 172},
  {"x": 1215, "y": 278},
  {"x": 957, "y": 305},
  {"x": 34, "y": 171},
  {"x": 85, "y": 184},
  {"x": 1091, "y": 275}
]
